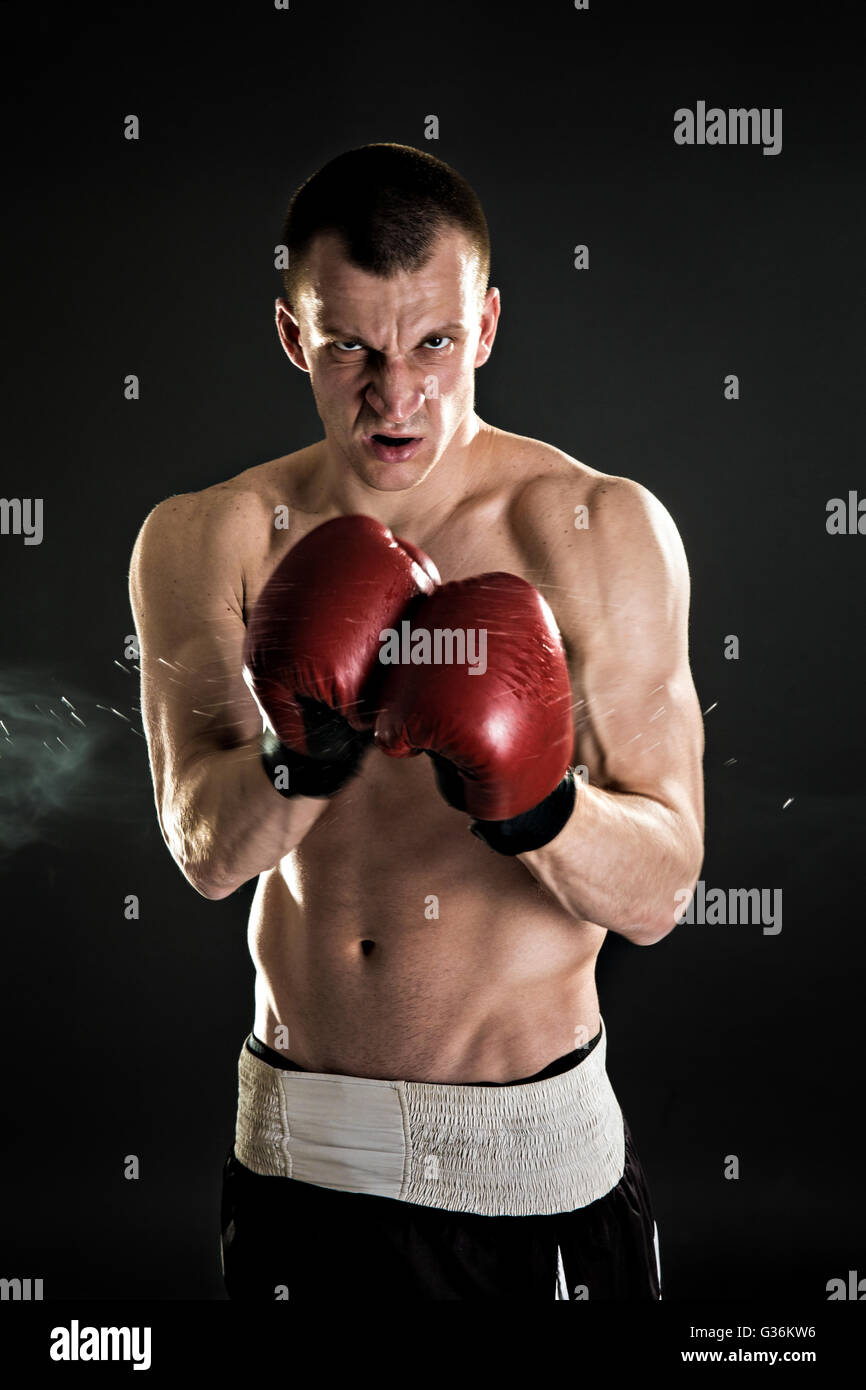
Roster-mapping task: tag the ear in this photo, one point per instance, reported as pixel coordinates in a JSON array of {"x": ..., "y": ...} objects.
[
  {"x": 289, "y": 333},
  {"x": 490, "y": 312}
]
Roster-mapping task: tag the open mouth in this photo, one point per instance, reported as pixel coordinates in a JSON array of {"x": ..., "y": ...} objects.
[{"x": 394, "y": 441}]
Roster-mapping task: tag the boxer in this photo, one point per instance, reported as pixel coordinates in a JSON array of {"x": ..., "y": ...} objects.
[{"x": 427, "y": 681}]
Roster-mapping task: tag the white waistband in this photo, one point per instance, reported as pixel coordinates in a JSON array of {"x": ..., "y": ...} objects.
[{"x": 537, "y": 1148}]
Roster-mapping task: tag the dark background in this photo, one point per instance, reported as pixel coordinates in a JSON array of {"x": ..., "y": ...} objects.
[{"x": 156, "y": 258}]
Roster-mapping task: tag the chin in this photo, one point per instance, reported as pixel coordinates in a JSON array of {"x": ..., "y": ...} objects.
[{"x": 392, "y": 478}]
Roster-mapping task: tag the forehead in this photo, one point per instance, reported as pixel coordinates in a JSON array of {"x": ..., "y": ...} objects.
[{"x": 335, "y": 289}]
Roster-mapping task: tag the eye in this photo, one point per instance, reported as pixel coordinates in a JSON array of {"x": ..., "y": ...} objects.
[
  {"x": 349, "y": 345},
  {"x": 436, "y": 338}
]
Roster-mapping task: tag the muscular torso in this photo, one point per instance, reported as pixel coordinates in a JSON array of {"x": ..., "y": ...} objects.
[{"x": 392, "y": 943}]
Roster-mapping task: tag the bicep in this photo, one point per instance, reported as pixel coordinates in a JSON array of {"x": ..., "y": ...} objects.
[
  {"x": 623, "y": 601},
  {"x": 188, "y": 617},
  {"x": 642, "y": 731}
]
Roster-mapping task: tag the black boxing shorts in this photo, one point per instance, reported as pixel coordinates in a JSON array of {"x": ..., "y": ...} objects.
[{"x": 367, "y": 1189}]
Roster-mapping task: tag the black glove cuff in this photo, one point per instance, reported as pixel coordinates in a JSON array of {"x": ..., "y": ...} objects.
[
  {"x": 295, "y": 774},
  {"x": 533, "y": 828}
]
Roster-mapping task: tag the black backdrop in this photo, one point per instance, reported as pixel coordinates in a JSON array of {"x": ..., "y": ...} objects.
[{"x": 155, "y": 257}]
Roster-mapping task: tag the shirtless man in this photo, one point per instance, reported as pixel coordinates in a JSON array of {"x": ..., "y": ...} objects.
[{"x": 424, "y": 1109}]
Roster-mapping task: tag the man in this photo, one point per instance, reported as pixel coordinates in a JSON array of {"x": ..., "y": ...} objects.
[{"x": 424, "y": 1110}]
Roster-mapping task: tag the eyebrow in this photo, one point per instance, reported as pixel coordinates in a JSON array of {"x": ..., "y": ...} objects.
[{"x": 337, "y": 331}]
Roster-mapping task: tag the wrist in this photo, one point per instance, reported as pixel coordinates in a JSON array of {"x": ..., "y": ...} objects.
[
  {"x": 298, "y": 774},
  {"x": 535, "y": 828}
]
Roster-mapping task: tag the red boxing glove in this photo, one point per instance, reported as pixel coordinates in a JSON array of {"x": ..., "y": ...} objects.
[
  {"x": 489, "y": 699},
  {"x": 312, "y": 647}
]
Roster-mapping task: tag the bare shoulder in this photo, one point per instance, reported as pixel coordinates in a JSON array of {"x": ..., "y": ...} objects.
[
  {"x": 221, "y": 511},
  {"x": 217, "y": 528},
  {"x": 563, "y": 508}
]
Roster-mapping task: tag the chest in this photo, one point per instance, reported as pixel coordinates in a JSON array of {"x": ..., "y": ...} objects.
[{"x": 477, "y": 541}]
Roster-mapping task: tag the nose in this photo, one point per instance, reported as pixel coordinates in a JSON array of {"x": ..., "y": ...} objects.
[{"x": 394, "y": 393}]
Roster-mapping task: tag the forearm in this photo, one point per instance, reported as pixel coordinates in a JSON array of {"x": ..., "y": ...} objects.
[
  {"x": 227, "y": 823},
  {"x": 619, "y": 861}
]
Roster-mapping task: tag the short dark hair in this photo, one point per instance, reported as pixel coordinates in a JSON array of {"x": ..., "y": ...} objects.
[{"x": 388, "y": 203}]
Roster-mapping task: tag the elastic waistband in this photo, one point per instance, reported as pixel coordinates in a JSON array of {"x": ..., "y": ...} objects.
[{"x": 517, "y": 1150}]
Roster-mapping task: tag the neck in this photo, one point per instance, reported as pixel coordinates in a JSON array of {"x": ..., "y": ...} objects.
[{"x": 454, "y": 475}]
